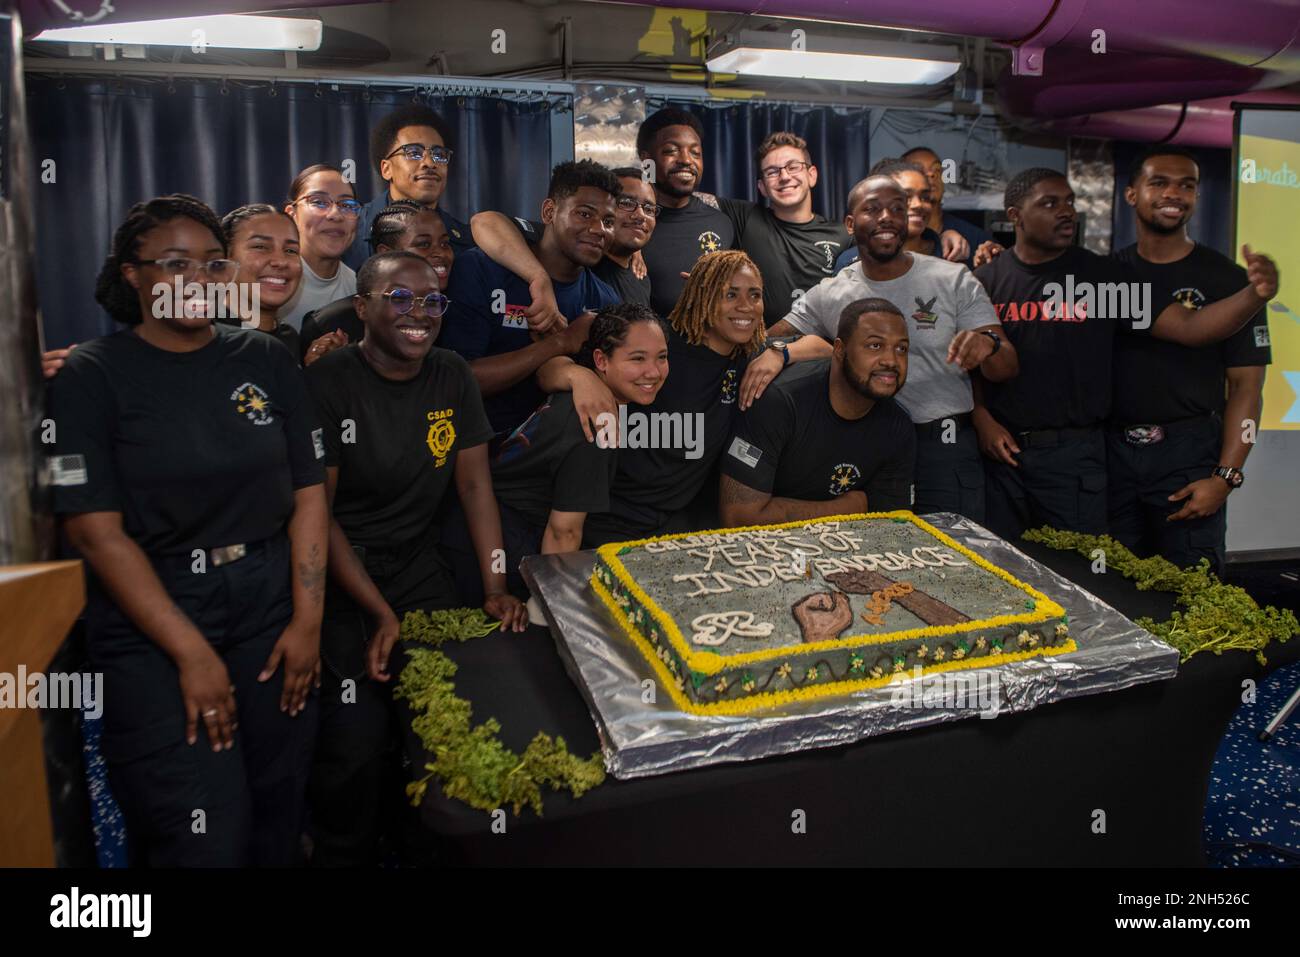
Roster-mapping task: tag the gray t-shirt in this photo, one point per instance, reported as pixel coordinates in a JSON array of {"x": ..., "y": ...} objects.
[
  {"x": 314, "y": 292},
  {"x": 938, "y": 300}
]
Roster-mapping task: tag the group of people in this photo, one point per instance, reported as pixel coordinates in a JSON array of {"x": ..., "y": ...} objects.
[{"x": 415, "y": 404}]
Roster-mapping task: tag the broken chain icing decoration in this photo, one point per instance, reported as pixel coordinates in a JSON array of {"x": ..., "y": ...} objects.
[{"x": 732, "y": 623}]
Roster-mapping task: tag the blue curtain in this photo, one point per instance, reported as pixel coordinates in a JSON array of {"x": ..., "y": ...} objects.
[
  {"x": 115, "y": 142},
  {"x": 1211, "y": 224},
  {"x": 837, "y": 139}
]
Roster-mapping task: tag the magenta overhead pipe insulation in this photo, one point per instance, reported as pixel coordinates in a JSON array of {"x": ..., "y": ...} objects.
[{"x": 1206, "y": 123}]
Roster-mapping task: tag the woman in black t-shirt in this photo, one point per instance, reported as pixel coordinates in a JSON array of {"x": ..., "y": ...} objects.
[
  {"x": 404, "y": 429},
  {"x": 264, "y": 241},
  {"x": 715, "y": 327},
  {"x": 547, "y": 476},
  {"x": 187, "y": 474}
]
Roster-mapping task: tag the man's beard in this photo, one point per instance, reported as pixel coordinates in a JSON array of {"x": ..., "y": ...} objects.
[
  {"x": 863, "y": 386},
  {"x": 883, "y": 257},
  {"x": 1155, "y": 226},
  {"x": 666, "y": 185}
]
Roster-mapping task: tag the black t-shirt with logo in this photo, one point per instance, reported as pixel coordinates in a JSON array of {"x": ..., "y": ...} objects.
[
  {"x": 793, "y": 444},
  {"x": 1156, "y": 381},
  {"x": 394, "y": 443},
  {"x": 650, "y": 484},
  {"x": 623, "y": 282},
  {"x": 792, "y": 257},
  {"x": 547, "y": 464},
  {"x": 199, "y": 449},
  {"x": 1065, "y": 360},
  {"x": 682, "y": 236}
]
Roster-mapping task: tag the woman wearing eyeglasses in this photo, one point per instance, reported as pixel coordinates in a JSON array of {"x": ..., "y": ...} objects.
[
  {"x": 264, "y": 241},
  {"x": 325, "y": 208},
  {"x": 187, "y": 476},
  {"x": 403, "y": 421}
]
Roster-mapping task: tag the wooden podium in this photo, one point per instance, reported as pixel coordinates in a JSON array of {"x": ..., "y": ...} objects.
[{"x": 38, "y": 605}]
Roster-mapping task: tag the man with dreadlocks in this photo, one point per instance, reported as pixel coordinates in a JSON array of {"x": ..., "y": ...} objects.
[
  {"x": 715, "y": 327},
  {"x": 403, "y": 225}
]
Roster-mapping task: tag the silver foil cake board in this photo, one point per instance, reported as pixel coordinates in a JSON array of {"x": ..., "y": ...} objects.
[{"x": 643, "y": 733}]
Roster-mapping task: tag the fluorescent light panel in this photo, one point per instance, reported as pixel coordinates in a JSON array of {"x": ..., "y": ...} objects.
[
  {"x": 226, "y": 31},
  {"x": 845, "y": 61}
]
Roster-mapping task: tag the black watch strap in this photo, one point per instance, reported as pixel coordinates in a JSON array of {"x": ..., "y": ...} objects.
[{"x": 997, "y": 340}]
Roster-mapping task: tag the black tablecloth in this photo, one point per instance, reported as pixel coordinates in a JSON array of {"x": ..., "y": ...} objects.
[{"x": 1025, "y": 789}]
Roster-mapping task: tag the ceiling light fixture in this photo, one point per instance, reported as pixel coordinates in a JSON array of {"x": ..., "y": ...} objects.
[
  {"x": 226, "y": 31},
  {"x": 831, "y": 58}
]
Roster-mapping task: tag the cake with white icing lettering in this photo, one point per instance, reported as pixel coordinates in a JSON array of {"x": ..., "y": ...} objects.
[{"x": 736, "y": 620}]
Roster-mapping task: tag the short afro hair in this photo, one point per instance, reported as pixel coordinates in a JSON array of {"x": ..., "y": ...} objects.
[
  {"x": 858, "y": 308},
  {"x": 892, "y": 166},
  {"x": 1023, "y": 183},
  {"x": 656, "y": 122},
  {"x": 384, "y": 135},
  {"x": 1151, "y": 152},
  {"x": 568, "y": 178},
  {"x": 371, "y": 270},
  {"x": 919, "y": 149}
]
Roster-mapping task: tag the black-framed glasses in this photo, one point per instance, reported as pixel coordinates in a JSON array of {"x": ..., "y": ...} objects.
[
  {"x": 415, "y": 153},
  {"x": 792, "y": 168},
  {"x": 403, "y": 301},
  {"x": 323, "y": 204},
  {"x": 628, "y": 204},
  {"x": 221, "y": 270}
]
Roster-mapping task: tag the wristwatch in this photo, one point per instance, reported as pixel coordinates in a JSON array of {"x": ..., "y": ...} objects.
[
  {"x": 997, "y": 340},
  {"x": 784, "y": 349},
  {"x": 1234, "y": 477}
]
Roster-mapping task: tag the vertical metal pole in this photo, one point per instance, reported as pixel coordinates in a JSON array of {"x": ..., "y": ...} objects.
[{"x": 26, "y": 525}]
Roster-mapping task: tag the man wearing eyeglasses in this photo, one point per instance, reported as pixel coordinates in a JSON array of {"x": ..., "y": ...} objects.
[
  {"x": 794, "y": 247},
  {"x": 411, "y": 151}
]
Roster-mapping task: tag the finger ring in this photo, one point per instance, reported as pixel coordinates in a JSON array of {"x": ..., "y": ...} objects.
[{"x": 208, "y": 714}]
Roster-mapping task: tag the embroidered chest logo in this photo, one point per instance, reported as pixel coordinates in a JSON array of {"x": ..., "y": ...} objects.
[
  {"x": 925, "y": 316},
  {"x": 441, "y": 437},
  {"x": 730, "y": 386},
  {"x": 710, "y": 242},
  {"x": 252, "y": 402},
  {"x": 844, "y": 477},
  {"x": 831, "y": 250},
  {"x": 1189, "y": 297}
]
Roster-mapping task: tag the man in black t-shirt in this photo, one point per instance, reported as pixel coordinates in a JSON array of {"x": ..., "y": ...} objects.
[
  {"x": 793, "y": 247},
  {"x": 636, "y": 211},
  {"x": 1062, "y": 307},
  {"x": 827, "y": 438},
  {"x": 688, "y": 226},
  {"x": 1175, "y": 447}
]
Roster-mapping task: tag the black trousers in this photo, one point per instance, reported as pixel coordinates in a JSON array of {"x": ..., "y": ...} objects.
[
  {"x": 1141, "y": 479},
  {"x": 949, "y": 475},
  {"x": 356, "y": 786},
  {"x": 187, "y": 805},
  {"x": 520, "y": 538},
  {"x": 1062, "y": 484}
]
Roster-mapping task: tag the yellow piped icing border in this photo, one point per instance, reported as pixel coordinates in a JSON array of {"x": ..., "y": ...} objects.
[
  {"x": 772, "y": 699},
  {"x": 709, "y": 663}
]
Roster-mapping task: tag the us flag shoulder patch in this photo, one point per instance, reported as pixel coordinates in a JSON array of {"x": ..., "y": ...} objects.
[{"x": 67, "y": 469}]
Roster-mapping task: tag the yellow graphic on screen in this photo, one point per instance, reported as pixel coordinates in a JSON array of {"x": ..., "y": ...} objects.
[{"x": 1267, "y": 210}]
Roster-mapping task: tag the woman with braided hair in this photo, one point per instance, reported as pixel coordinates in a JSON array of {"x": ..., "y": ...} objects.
[
  {"x": 187, "y": 471},
  {"x": 547, "y": 476},
  {"x": 716, "y": 326}
]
